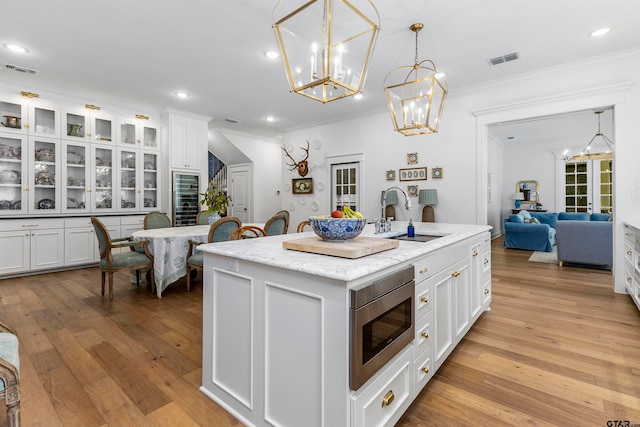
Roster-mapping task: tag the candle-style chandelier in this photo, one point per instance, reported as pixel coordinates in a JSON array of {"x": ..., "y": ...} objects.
[
  {"x": 415, "y": 95},
  {"x": 587, "y": 154},
  {"x": 326, "y": 45}
]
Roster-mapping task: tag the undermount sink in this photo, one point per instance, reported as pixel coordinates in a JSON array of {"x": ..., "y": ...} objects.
[{"x": 416, "y": 237}]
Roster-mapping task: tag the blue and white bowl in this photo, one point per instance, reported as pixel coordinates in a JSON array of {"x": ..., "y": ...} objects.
[{"x": 337, "y": 229}]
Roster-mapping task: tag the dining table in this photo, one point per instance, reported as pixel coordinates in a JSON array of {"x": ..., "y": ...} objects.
[{"x": 170, "y": 247}]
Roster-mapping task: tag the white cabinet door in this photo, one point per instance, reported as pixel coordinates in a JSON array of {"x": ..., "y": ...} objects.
[
  {"x": 79, "y": 246},
  {"x": 44, "y": 180},
  {"x": 88, "y": 125},
  {"x": 76, "y": 167},
  {"x": 47, "y": 249},
  {"x": 44, "y": 120},
  {"x": 14, "y": 251},
  {"x": 128, "y": 181},
  {"x": 188, "y": 141},
  {"x": 476, "y": 278},
  {"x": 13, "y": 174},
  {"x": 150, "y": 180},
  {"x": 103, "y": 176}
]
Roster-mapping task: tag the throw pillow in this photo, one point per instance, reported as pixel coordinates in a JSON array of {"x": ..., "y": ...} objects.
[
  {"x": 524, "y": 213},
  {"x": 517, "y": 218},
  {"x": 533, "y": 220}
]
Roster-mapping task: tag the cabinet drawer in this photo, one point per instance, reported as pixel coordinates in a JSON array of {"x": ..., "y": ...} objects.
[
  {"x": 629, "y": 234},
  {"x": 628, "y": 251},
  {"x": 424, "y": 334},
  {"x": 382, "y": 402},
  {"x": 423, "y": 369},
  {"x": 486, "y": 261},
  {"x": 435, "y": 263},
  {"x": 423, "y": 298}
]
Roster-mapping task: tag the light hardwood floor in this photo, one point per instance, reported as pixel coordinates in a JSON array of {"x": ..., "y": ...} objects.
[{"x": 558, "y": 348}]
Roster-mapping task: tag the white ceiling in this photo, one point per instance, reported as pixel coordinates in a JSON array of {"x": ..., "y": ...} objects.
[{"x": 142, "y": 51}]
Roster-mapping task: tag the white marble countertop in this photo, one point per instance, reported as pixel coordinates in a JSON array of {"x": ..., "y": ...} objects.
[{"x": 269, "y": 250}]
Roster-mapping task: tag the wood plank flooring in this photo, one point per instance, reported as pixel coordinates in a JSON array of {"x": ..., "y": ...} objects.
[{"x": 559, "y": 347}]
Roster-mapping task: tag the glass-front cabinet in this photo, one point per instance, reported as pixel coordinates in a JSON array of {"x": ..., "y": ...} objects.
[
  {"x": 90, "y": 125},
  {"x": 102, "y": 178},
  {"x": 44, "y": 173},
  {"x": 76, "y": 159},
  {"x": 140, "y": 133},
  {"x": 13, "y": 167},
  {"x": 150, "y": 163},
  {"x": 129, "y": 162}
]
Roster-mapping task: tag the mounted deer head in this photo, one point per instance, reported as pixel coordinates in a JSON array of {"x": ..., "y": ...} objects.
[{"x": 302, "y": 165}]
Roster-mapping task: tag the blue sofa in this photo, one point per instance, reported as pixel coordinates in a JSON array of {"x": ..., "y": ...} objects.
[
  {"x": 585, "y": 242},
  {"x": 523, "y": 233},
  {"x": 531, "y": 236}
]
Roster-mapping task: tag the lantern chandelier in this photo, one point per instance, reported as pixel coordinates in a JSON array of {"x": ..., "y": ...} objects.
[
  {"x": 326, "y": 45},
  {"x": 415, "y": 95},
  {"x": 586, "y": 153}
]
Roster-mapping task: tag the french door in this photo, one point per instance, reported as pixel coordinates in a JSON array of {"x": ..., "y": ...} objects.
[
  {"x": 588, "y": 186},
  {"x": 345, "y": 182}
]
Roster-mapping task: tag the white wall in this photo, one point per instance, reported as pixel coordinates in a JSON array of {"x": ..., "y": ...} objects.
[
  {"x": 496, "y": 204},
  {"x": 264, "y": 154}
]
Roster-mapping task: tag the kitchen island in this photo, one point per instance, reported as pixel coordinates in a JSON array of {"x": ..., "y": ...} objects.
[{"x": 276, "y": 324}]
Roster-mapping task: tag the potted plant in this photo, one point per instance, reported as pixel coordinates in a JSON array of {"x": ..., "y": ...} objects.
[{"x": 217, "y": 201}]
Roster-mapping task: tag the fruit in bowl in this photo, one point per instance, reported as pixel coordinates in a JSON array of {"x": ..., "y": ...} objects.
[{"x": 337, "y": 229}]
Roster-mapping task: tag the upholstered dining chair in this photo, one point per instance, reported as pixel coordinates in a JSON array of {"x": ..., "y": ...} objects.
[
  {"x": 10, "y": 373},
  {"x": 202, "y": 218},
  {"x": 275, "y": 225},
  {"x": 220, "y": 231},
  {"x": 131, "y": 260},
  {"x": 302, "y": 226},
  {"x": 156, "y": 219},
  {"x": 286, "y": 214}
]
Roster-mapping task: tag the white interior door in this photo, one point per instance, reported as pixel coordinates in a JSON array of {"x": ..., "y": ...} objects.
[
  {"x": 345, "y": 182},
  {"x": 240, "y": 192}
]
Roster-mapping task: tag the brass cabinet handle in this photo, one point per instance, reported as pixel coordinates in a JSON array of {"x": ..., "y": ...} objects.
[
  {"x": 424, "y": 299},
  {"x": 425, "y": 370},
  {"x": 628, "y": 252},
  {"x": 486, "y": 260},
  {"x": 475, "y": 253},
  {"x": 455, "y": 273},
  {"x": 424, "y": 270},
  {"x": 486, "y": 291},
  {"x": 425, "y": 335},
  {"x": 25, "y": 188},
  {"x": 388, "y": 398},
  {"x": 628, "y": 279}
]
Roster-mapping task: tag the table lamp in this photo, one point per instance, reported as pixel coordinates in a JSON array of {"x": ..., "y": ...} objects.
[
  {"x": 429, "y": 198},
  {"x": 392, "y": 199},
  {"x": 518, "y": 197}
]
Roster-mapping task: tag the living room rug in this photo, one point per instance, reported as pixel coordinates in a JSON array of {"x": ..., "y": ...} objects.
[{"x": 548, "y": 257}]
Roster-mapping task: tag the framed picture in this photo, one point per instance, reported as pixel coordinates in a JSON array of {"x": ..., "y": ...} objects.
[
  {"x": 391, "y": 175},
  {"x": 413, "y": 174},
  {"x": 412, "y": 190},
  {"x": 412, "y": 158},
  {"x": 436, "y": 173},
  {"x": 302, "y": 185}
]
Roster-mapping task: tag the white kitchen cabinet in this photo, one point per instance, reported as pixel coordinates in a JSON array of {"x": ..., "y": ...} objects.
[
  {"x": 85, "y": 124},
  {"x": 187, "y": 140},
  {"x": 130, "y": 224},
  {"x": 28, "y": 245},
  {"x": 632, "y": 261},
  {"x": 80, "y": 242},
  {"x": 276, "y": 336},
  {"x": 76, "y": 169},
  {"x": 43, "y": 120},
  {"x": 140, "y": 132},
  {"x": 13, "y": 108},
  {"x": 13, "y": 174},
  {"x": 103, "y": 176},
  {"x": 43, "y": 175}
]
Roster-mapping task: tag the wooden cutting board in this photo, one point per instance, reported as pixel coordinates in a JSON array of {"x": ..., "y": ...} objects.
[{"x": 356, "y": 248}]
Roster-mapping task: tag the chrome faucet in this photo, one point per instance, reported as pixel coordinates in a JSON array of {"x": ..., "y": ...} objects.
[{"x": 384, "y": 224}]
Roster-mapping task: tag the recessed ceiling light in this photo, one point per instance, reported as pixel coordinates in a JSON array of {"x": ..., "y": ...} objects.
[
  {"x": 600, "y": 32},
  {"x": 270, "y": 119},
  {"x": 182, "y": 94},
  {"x": 272, "y": 54},
  {"x": 16, "y": 48},
  {"x": 358, "y": 95}
]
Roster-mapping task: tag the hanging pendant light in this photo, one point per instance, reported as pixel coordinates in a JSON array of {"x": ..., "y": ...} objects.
[
  {"x": 586, "y": 153},
  {"x": 415, "y": 95},
  {"x": 326, "y": 45}
]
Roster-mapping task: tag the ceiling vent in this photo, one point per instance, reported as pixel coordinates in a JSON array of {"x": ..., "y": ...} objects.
[
  {"x": 19, "y": 69},
  {"x": 230, "y": 120},
  {"x": 505, "y": 58}
]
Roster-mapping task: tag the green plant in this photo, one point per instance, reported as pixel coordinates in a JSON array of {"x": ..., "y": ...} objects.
[{"x": 215, "y": 198}]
